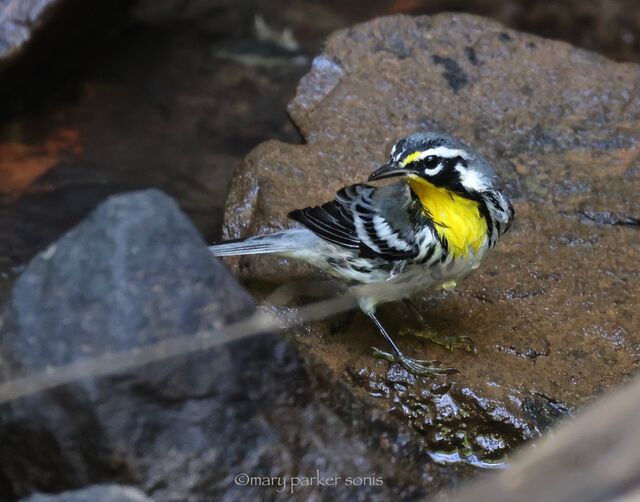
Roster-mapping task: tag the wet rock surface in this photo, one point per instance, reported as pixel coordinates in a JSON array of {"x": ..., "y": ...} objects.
[
  {"x": 136, "y": 272},
  {"x": 553, "y": 310}
]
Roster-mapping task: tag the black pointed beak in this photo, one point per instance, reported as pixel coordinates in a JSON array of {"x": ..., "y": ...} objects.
[{"x": 389, "y": 170}]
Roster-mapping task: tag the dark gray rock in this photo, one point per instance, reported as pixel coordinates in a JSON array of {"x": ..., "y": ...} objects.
[
  {"x": 135, "y": 272},
  {"x": 97, "y": 493},
  {"x": 136, "y": 265}
]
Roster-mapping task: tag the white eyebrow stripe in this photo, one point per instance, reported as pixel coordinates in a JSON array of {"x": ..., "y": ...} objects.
[{"x": 443, "y": 151}]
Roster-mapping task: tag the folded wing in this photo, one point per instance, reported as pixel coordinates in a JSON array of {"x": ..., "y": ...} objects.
[{"x": 363, "y": 218}]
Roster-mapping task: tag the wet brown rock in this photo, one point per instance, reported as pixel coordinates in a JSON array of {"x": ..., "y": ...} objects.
[
  {"x": 592, "y": 458},
  {"x": 553, "y": 310}
]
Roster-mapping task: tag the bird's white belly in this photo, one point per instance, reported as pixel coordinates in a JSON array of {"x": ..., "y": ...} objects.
[
  {"x": 374, "y": 278},
  {"x": 420, "y": 277}
]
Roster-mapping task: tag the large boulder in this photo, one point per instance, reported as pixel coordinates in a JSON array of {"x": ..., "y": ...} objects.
[
  {"x": 553, "y": 310},
  {"x": 134, "y": 273}
]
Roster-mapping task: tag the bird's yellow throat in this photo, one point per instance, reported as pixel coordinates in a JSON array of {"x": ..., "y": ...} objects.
[{"x": 456, "y": 218}]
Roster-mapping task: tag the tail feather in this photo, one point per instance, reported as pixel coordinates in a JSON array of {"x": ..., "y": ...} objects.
[{"x": 279, "y": 242}]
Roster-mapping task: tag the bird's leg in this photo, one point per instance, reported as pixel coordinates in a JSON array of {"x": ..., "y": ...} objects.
[
  {"x": 428, "y": 333},
  {"x": 416, "y": 366}
]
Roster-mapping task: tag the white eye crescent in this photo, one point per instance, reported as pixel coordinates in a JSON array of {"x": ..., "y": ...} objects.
[{"x": 432, "y": 165}]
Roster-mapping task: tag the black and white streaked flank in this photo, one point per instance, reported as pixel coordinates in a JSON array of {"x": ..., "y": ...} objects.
[{"x": 430, "y": 229}]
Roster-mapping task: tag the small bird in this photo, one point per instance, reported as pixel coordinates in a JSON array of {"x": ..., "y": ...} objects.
[{"x": 429, "y": 230}]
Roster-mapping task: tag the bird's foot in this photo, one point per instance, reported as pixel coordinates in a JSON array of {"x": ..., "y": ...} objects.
[
  {"x": 447, "y": 341},
  {"x": 420, "y": 367}
]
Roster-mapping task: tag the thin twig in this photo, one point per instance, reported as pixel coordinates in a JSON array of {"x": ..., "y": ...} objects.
[{"x": 261, "y": 321}]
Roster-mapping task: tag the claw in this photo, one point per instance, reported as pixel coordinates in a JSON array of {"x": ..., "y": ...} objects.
[
  {"x": 415, "y": 366},
  {"x": 420, "y": 367},
  {"x": 464, "y": 343},
  {"x": 448, "y": 342}
]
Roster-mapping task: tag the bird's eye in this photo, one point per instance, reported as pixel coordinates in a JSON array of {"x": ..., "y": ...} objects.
[{"x": 430, "y": 162}]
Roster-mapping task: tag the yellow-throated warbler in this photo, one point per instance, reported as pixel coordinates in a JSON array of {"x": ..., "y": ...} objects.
[{"x": 430, "y": 230}]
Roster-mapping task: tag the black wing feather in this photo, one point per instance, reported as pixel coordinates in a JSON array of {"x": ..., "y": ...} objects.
[
  {"x": 335, "y": 222},
  {"x": 322, "y": 220}
]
